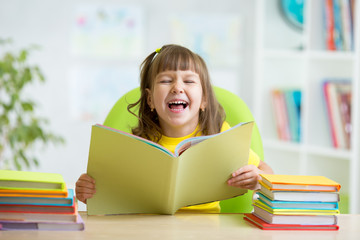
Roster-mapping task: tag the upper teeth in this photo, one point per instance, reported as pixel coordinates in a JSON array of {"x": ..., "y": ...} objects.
[{"x": 177, "y": 102}]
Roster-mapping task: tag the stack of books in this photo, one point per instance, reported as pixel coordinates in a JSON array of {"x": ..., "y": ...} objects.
[
  {"x": 37, "y": 201},
  {"x": 292, "y": 202}
]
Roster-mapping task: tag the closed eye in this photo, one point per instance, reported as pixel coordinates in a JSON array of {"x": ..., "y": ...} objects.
[
  {"x": 165, "y": 81},
  {"x": 189, "y": 81}
]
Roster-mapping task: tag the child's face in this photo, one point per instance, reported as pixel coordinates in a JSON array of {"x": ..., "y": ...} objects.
[{"x": 177, "y": 98}]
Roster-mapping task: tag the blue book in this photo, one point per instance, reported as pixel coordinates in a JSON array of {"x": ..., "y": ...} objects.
[
  {"x": 293, "y": 108},
  {"x": 338, "y": 31},
  {"x": 297, "y": 205},
  {"x": 45, "y": 201}
]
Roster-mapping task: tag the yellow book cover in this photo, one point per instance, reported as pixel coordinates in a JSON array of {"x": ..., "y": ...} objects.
[
  {"x": 23, "y": 181},
  {"x": 134, "y": 175},
  {"x": 299, "y": 183}
]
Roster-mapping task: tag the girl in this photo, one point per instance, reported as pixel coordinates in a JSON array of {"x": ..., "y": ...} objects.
[{"x": 178, "y": 102}]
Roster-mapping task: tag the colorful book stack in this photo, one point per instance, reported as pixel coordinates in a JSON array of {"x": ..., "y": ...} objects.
[
  {"x": 292, "y": 202},
  {"x": 37, "y": 201}
]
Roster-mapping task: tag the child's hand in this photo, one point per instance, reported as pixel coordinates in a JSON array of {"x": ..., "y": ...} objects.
[
  {"x": 85, "y": 187},
  {"x": 246, "y": 177}
]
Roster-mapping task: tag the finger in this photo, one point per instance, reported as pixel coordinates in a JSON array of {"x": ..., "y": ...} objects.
[
  {"x": 252, "y": 185},
  {"x": 85, "y": 184},
  {"x": 80, "y": 190},
  {"x": 245, "y": 176},
  {"x": 83, "y": 197},
  {"x": 244, "y": 169},
  {"x": 243, "y": 182},
  {"x": 86, "y": 177}
]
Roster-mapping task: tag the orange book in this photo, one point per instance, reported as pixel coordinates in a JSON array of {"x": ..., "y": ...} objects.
[
  {"x": 32, "y": 193},
  {"x": 299, "y": 183}
]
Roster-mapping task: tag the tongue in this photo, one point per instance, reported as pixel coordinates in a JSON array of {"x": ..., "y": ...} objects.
[{"x": 176, "y": 106}]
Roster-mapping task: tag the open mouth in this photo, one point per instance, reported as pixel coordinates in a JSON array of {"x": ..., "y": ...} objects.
[{"x": 178, "y": 105}]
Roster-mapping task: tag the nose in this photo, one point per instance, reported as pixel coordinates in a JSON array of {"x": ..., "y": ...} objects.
[{"x": 177, "y": 87}]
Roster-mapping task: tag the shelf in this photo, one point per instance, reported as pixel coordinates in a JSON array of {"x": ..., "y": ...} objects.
[
  {"x": 289, "y": 59},
  {"x": 341, "y": 154},
  {"x": 286, "y": 54},
  {"x": 282, "y": 145},
  {"x": 331, "y": 55}
]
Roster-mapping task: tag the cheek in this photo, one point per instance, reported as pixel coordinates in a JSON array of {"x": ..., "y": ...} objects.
[
  {"x": 159, "y": 98},
  {"x": 196, "y": 99}
]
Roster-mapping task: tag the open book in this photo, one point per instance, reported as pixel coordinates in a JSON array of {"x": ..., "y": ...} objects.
[{"x": 135, "y": 175}]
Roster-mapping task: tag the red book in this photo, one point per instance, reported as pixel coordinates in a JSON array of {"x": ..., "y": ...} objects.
[
  {"x": 329, "y": 21},
  {"x": 280, "y": 113},
  {"x": 267, "y": 226},
  {"x": 25, "y": 208},
  {"x": 331, "y": 111}
]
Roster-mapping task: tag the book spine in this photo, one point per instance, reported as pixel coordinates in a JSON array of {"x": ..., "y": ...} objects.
[
  {"x": 345, "y": 108},
  {"x": 339, "y": 111},
  {"x": 293, "y": 115},
  {"x": 338, "y": 28},
  {"x": 329, "y": 24},
  {"x": 172, "y": 205},
  {"x": 280, "y": 114},
  {"x": 346, "y": 24},
  {"x": 330, "y": 113}
]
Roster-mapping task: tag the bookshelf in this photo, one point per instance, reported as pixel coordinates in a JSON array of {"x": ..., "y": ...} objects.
[{"x": 289, "y": 58}]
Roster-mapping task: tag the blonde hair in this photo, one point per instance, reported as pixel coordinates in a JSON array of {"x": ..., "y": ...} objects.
[{"x": 175, "y": 57}]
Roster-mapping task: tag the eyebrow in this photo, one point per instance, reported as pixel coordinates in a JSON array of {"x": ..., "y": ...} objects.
[{"x": 165, "y": 73}]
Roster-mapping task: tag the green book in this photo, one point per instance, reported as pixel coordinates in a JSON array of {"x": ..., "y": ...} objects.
[
  {"x": 134, "y": 175},
  {"x": 22, "y": 180}
]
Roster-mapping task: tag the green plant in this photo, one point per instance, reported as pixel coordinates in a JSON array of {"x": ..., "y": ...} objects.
[{"x": 21, "y": 131}]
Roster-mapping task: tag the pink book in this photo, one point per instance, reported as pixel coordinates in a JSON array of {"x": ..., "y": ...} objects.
[
  {"x": 47, "y": 226},
  {"x": 258, "y": 222}
]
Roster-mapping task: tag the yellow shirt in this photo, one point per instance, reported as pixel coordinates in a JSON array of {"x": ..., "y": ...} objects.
[{"x": 212, "y": 207}]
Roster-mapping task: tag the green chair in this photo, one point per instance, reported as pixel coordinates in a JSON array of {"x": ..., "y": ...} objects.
[{"x": 236, "y": 111}]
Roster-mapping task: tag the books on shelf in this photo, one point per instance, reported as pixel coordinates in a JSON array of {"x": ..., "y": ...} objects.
[
  {"x": 287, "y": 113},
  {"x": 37, "y": 201},
  {"x": 134, "y": 175},
  {"x": 337, "y": 95},
  {"x": 299, "y": 202},
  {"x": 338, "y": 24}
]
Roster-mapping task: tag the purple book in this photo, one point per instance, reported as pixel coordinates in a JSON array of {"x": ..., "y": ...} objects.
[{"x": 47, "y": 226}]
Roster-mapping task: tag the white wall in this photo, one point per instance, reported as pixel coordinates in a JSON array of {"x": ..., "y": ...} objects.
[{"x": 48, "y": 23}]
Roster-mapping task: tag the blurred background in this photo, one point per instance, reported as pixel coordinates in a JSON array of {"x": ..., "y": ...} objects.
[{"x": 90, "y": 53}]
